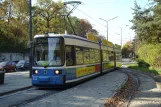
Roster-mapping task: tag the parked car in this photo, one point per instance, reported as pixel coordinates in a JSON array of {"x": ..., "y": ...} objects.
[
  {"x": 16, "y": 61},
  {"x": 23, "y": 65},
  {"x": 8, "y": 66}
]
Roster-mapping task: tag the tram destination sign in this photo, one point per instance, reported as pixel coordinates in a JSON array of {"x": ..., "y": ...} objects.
[{"x": 41, "y": 40}]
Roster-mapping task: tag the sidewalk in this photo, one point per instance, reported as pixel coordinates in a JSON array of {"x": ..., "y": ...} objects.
[
  {"x": 148, "y": 94},
  {"x": 15, "y": 81}
]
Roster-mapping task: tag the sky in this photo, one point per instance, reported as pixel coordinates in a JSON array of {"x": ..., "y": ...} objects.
[{"x": 93, "y": 10}]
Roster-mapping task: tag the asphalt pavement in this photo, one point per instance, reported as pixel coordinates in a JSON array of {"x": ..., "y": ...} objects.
[{"x": 15, "y": 81}]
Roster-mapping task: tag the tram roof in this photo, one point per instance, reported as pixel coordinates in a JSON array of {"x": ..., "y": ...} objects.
[
  {"x": 63, "y": 35},
  {"x": 59, "y": 35}
]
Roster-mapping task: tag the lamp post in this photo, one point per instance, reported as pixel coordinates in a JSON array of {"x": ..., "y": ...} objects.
[
  {"x": 128, "y": 34},
  {"x": 30, "y": 36},
  {"x": 121, "y": 36},
  {"x": 107, "y": 23}
]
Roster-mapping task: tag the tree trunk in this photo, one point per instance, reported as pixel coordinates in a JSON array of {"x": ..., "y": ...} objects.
[
  {"x": 47, "y": 24},
  {"x": 158, "y": 39}
]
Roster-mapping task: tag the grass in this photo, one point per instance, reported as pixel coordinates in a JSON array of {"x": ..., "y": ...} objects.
[
  {"x": 118, "y": 64},
  {"x": 145, "y": 69}
]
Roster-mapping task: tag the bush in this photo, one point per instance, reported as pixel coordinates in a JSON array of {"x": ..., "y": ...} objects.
[
  {"x": 142, "y": 63},
  {"x": 150, "y": 54}
]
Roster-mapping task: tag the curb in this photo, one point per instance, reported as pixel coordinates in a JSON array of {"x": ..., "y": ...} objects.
[
  {"x": 158, "y": 85},
  {"x": 123, "y": 82},
  {"x": 119, "y": 87},
  {"x": 127, "y": 102},
  {"x": 15, "y": 90}
]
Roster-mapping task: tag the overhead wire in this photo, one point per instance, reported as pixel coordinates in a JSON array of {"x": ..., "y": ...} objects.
[
  {"x": 89, "y": 17},
  {"x": 113, "y": 1},
  {"x": 95, "y": 20},
  {"x": 114, "y": 33}
]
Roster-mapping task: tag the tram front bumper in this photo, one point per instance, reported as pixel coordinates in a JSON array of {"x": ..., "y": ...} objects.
[{"x": 48, "y": 80}]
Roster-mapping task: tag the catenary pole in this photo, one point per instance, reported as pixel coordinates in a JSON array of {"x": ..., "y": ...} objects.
[{"x": 30, "y": 37}]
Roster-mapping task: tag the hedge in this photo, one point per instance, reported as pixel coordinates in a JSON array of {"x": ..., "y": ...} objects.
[{"x": 150, "y": 54}]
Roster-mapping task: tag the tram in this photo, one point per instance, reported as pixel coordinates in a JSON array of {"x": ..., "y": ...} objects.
[{"x": 61, "y": 59}]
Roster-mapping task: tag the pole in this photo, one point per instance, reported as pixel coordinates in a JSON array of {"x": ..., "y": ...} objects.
[
  {"x": 135, "y": 46},
  {"x": 107, "y": 23},
  {"x": 30, "y": 36},
  {"x": 121, "y": 36},
  {"x": 107, "y": 30}
]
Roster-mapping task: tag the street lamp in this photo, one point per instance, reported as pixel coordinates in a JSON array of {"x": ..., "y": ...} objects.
[
  {"x": 107, "y": 23},
  {"x": 121, "y": 34},
  {"x": 128, "y": 34}
]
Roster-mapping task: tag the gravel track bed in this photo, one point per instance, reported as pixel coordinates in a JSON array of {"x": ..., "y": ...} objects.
[{"x": 125, "y": 94}]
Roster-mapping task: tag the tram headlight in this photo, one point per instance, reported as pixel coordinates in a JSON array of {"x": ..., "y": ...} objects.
[
  {"x": 35, "y": 71},
  {"x": 58, "y": 72}
]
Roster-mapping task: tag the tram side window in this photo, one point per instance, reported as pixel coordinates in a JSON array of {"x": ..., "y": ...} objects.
[
  {"x": 111, "y": 56},
  {"x": 118, "y": 56},
  {"x": 86, "y": 56},
  {"x": 92, "y": 56},
  {"x": 69, "y": 56},
  {"x": 105, "y": 56},
  {"x": 108, "y": 56},
  {"x": 97, "y": 56},
  {"x": 79, "y": 55}
]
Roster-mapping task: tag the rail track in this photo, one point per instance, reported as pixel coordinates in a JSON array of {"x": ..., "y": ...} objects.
[
  {"x": 15, "y": 91},
  {"x": 24, "y": 97},
  {"x": 27, "y": 96}
]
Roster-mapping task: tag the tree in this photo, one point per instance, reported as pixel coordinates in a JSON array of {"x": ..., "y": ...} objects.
[
  {"x": 84, "y": 27},
  {"x": 14, "y": 25},
  {"x": 48, "y": 12},
  {"x": 147, "y": 26},
  {"x": 146, "y": 23},
  {"x": 155, "y": 25},
  {"x": 127, "y": 49},
  {"x": 46, "y": 16}
]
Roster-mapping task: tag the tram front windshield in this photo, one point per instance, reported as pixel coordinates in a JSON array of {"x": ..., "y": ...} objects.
[{"x": 48, "y": 52}]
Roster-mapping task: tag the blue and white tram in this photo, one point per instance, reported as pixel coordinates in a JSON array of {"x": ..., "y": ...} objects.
[{"x": 60, "y": 59}]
